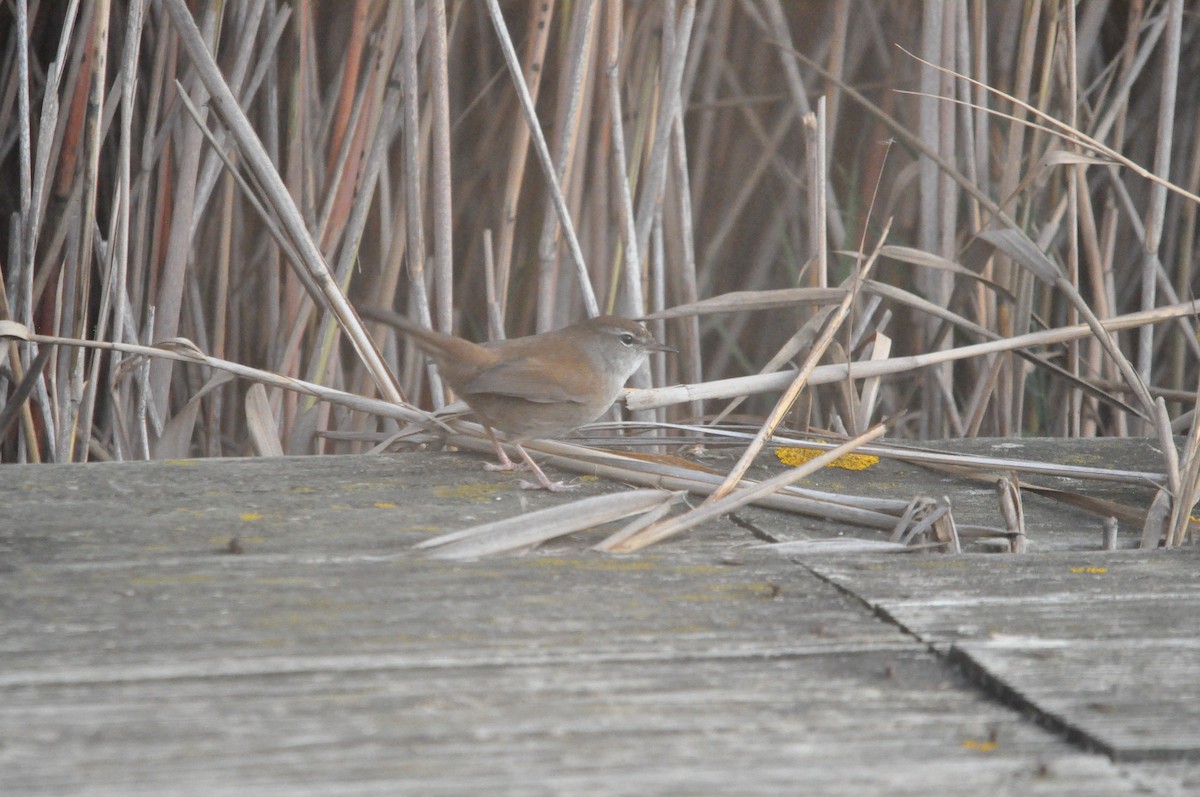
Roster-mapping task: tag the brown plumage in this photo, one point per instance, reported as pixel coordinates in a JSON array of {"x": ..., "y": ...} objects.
[{"x": 540, "y": 385}]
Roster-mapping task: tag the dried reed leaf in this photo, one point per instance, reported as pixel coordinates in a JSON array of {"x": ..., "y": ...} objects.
[
  {"x": 261, "y": 423},
  {"x": 1017, "y": 246},
  {"x": 175, "y": 441},
  {"x": 1155, "y": 528},
  {"x": 744, "y": 301},
  {"x": 881, "y": 349},
  {"x": 534, "y": 528},
  {"x": 919, "y": 257},
  {"x": 1063, "y": 157},
  {"x": 1012, "y": 509}
]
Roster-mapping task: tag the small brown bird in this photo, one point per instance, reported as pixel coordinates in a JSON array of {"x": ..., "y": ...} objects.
[{"x": 540, "y": 385}]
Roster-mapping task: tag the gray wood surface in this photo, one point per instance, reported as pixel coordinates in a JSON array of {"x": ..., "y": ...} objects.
[
  {"x": 1095, "y": 645},
  {"x": 139, "y": 656}
]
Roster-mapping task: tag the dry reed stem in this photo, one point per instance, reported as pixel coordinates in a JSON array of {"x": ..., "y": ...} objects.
[
  {"x": 741, "y": 386},
  {"x": 543, "y": 153}
]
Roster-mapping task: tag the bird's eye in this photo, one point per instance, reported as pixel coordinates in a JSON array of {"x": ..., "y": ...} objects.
[{"x": 627, "y": 339}]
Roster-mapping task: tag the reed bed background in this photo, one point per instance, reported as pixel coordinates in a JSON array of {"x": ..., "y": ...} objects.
[{"x": 1035, "y": 166}]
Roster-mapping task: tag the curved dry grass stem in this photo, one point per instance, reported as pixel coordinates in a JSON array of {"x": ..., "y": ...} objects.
[{"x": 1054, "y": 127}]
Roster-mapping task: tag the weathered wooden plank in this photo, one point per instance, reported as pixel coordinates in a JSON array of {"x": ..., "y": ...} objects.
[
  {"x": 1098, "y": 645},
  {"x": 139, "y": 656},
  {"x": 734, "y": 726}
]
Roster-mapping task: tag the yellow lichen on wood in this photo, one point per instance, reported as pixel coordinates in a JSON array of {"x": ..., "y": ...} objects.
[{"x": 792, "y": 456}]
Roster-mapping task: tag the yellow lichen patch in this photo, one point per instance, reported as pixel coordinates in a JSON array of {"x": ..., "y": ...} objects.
[
  {"x": 250, "y": 516},
  {"x": 471, "y": 491},
  {"x": 1090, "y": 571},
  {"x": 978, "y": 745},
  {"x": 792, "y": 457},
  {"x": 384, "y": 505}
]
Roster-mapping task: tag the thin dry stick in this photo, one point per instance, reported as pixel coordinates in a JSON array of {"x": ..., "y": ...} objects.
[
  {"x": 762, "y": 383},
  {"x": 634, "y": 303},
  {"x": 81, "y": 424},
  {"x": 777, "y": 26},
  {"x": 656, "y": 170},
  {"x": 246, "y": 47},
  {"x": 538, "y": 36},
  {"x": 278, "y": 195},
  {"x": 119, "y": 277},
  {"x": 543, "y": 153},
  {"x": 1158, "y": 192},
  {"x": 443, "y": 217},
  {"x": 715, "y": 507},
  {"x": 182, "y": 350},
  {"x": 168, "y": 303},
  {"x": 1074, "y": 421},
  {"x": 850, "y": 509},
  {"x": 687, "y": 276},
  {"x": 579, "y": 59},
  {"x": 357, "y": 219},
  {"x": 831, "y": 326},
  {"x": 414, "y": 227}
]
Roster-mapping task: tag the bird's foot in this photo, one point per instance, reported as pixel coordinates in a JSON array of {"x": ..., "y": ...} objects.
[
  {"x": 543, "y": 481},
  {"x": 505, "y": 467}
]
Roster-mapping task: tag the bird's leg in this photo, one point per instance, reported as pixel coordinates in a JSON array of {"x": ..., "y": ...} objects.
[
  {"x": 543, "y": 481},
  {"x": 505, "y": 464}
]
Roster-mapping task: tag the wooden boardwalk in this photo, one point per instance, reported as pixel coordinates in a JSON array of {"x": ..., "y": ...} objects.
[{"x": 140, "y": 655}]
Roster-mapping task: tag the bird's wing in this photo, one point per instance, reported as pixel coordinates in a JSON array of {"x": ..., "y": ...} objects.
[{"x": 526, "y": 378}]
